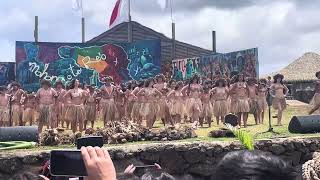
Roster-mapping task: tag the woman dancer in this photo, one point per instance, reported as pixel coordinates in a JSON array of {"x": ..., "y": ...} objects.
[
  {"x": 66, "y": 100},
  {"x": 253, "y": 91},
  {"x": 176, "y": 102},
  {"x": 280, "y": 92},
  {"x": 91, "y": 107},
  {"x": 107, "y": 103},
  {"x": 262, "y": 100},
  {"x": 315, "y": 102},
  {"x": 149, "y": 108},
  {"x": 220, "y": 94},
  {"x": 46, "y": 98},
  {"x": 129, "y": 99},
  {"x": 4, "y": 102},
  {"x": 137, "y": 102},
  {"x": 242, "y": 107},
  {"x": 120, "y": 100},
  {"x": 29, "y": 106},
  {"x": 16, "y": 109},
  {"x": 194, "y": 105},
  {"x": 162, "y": 104},
  {"x": 232, "y": 96},
  {"x": 75, "y": 114},
  {"x": 207, "y": 108},
  {"x": 59, "y": 87}
]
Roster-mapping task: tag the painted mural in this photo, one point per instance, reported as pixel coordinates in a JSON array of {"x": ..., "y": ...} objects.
[
  {"x": 7, "y": 73},
  {"x": 88, "y": 62},
  {"x": 185, "y": 68},
  {"x": 228, "y": 64}
]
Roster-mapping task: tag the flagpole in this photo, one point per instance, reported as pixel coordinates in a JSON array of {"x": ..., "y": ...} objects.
[
  {"x": 173, "y": 36},
  {"x": 82, "y": 23}
]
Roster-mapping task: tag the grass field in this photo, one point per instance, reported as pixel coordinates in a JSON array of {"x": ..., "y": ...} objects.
[{"x": 203, "y": 132}]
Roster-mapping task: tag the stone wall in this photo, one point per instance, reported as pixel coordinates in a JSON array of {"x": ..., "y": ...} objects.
[{"x": 184, "y": 160}]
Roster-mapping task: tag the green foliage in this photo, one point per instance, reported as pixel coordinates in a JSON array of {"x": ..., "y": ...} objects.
[
  {"x": 16, "y": 145},
  {"x": 244, "y": 137}
]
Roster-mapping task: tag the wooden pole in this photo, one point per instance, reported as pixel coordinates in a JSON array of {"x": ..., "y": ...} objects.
[
  {"x": 129, "y": 23},
  {"x": 83, "y": 29},
  {"x": 35, "y": 33},
  {"x": 173, "y": 52},
  {"x": 214, "y": 45}
]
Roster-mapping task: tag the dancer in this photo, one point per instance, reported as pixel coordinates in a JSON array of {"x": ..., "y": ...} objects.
[
  {"x": 149, "y": 108},
  {"x": 176, "y": 102},
  {"x": 107, "y": 103},
  {"x": 194, "y": 105},
  {"x": 91, "y": 107},
  {"x": 29, "y": 109},
  {"x": 262, "y": 100},
  {"x": 220, "y": 94},
  {"x": 59, "y": 87},
  {"x": 207, "y": 108},
  {"x": 120, "y": 100},
  {"x": 253, "y": 91},
  {"x": 129, "y": 99},
  {"x": 4, "y": 103},
  {"x": 315, "y": 101},
  {"x": 137, "y": 102},
  {"x": 16, "y": 111},
  {"x": 163, "y": 109},
  {"x": 75, "y": 114},
  {"x": 232, "y": 100},
  {"x": 66, "y": 100},
  {"x": 280, "y": 93},
  {"x": 242, "y": 107},
  {"x": 46, "y": 99}
]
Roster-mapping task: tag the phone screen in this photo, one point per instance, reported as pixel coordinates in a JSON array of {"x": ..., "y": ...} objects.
[{"x": 67, "y": 163}]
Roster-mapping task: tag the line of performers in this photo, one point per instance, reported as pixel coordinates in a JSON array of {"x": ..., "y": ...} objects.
[{"x": 142, "y": 102}]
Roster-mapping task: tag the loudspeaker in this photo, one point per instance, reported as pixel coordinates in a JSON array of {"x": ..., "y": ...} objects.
[
  {"x": 304, "y": 124},
  {"x": 231, "y": 119},
  {"x": 19, "y": 133}
]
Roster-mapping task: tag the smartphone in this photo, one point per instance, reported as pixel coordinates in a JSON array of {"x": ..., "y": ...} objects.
[
  {"x": 145, "y": 166},
  {"x": 90, "y": 141},
  {"x": 67, "y": 163}
]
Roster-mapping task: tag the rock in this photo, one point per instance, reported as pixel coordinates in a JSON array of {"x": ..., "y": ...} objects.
[
  {"x": 289, "y": 146},
  {"x": 293, "y": 157},
  {"x": 298, "y": 144},
  {"x": 30, "y": 159},
  {"x": 313, "y": 147},
  {"x": 202, "y": 170},
  {"x": 173, "y": 162},
  {"x": 10, "y": 165},
  {"x": 277, "y": 149},
  {"x": 149, "y": 157},
  {"x": 184, "y": 177},
  {"x": 119, "y": 155},
  {"x": 194, "y": 155}
]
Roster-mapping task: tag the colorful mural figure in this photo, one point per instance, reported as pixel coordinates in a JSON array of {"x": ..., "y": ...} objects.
[
  {"x": 185, "y": 67},
  {"x": 87, "y": 62},
  {"x": 229, "y": 64},
  {"x": 7, "y": 73}
]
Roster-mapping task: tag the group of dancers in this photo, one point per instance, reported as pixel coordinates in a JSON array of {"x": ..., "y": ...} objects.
[{"x": 194, "y": 101}]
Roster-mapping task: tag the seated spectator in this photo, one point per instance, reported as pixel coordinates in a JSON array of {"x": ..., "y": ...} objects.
[{"x": 254, "y": 165}]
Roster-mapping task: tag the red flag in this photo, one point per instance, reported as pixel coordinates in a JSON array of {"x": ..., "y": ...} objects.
[{"x": 119, "y": 13}]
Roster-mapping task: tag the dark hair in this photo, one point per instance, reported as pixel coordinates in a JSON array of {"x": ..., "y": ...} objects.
[
  {"x": 251, "y": 80},
  {"x": 15, "y": 83},
  {"x": 157, "y": 175},
  {"x": 254, "y": 165},
  {"x": 193, "y": 78},
  {"x": 72, "y": 83},
  {"x": 129, "y": 85},
  {"x": 238, "y": 79},
  {"x": 140, "y": 83},
  {"x": 26, "y": 176},
  {"x": 178, "y": 84},
  {"x": 160, "y": 76},
  {"x": 317, "y": 73},
  {"x": 220, "y": 80},
  {"x": 275, "y": 77},
  {"x": 3, "y": 88},
  {"x": 57, "y": 83},
  {"x": 148, "y": 81},
  {"x": 45, "y": 82}
]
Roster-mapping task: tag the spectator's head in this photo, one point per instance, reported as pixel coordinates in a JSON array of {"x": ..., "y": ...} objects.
[
  {"x": 254, "y": 165},
  {"x": 26, "y": 176},
  {"x": 157, "y": 176}
]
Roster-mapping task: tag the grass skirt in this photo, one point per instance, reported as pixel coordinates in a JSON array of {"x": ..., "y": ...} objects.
[
  {"x": 4, "y": 115},
  {"x": 278, "y": 103},
  {"x": 242, "y": 105},
  {"x": 253, "y": 103},
  {"x": 148, "y": 109},
  {"x": 135, "y": 113},
  {"x": 108, "y": 110},
  {"x": 91, "y": 113},
  {"x": 162, "y": 105},
  {"x": 193, "y": 106},
  {"x": 262, "y": 104},
  {"x": 176, "y": 107},
  {"x": 76, "y": 112},
  {"x": 29, "y": 115},
  {"x": 207, "y": 110},
  {"x": 220, "y": 108},
  {"x": 16, "y": 114},
  {"x": 46, "y": 113}
]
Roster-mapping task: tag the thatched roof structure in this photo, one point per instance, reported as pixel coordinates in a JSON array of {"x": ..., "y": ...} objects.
[{"x": 302, "y": 69}]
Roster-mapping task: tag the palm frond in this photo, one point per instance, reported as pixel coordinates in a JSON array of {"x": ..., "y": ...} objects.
[{"x": 244, "y": 137}]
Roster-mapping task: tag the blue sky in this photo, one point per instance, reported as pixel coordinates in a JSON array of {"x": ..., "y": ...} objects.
[{"x": 283, "y": 30}]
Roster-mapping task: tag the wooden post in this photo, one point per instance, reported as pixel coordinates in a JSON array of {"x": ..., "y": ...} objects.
[
  {"x": 83, "y": 29},
  {"x": 35, "y": 33},
  {"x": 214, "y": 45},
  {"x": 173, "y": 52}
]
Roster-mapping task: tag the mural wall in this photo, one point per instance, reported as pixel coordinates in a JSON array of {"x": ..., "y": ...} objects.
[
  {"x": 88, "y": 62},
  {"x": 229, "y": 64},
  {"x": 7, "y": 73}
]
